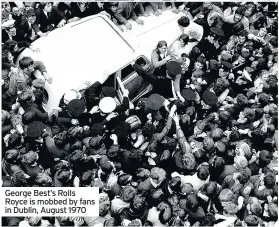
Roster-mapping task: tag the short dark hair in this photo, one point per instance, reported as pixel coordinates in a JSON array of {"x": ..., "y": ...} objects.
[
  {"x": 10, "y": 45},
  {"x": 14, "y": 140},
  {"x": 25, "y": 62},
  {"x": 5, "y": 55},
  {"x": 77, "y": 157},
  {"x": 243, "y": 33},
  {"x": 192, "y": 202},
  {"x": 203, "y": 172},
  {"x": 63, "y": 175},
  {"x": 19, "y": 179},
  {"x": 208, "y": 220},
  {"x": 269, "y": 180},
  {"x": 241, "y": 10},
  {"x": 184, "y": 38},
  {"x": 87, "y": 177},
  {"x": 251, "y": 220},
  {"x": 183, "y": 21}
]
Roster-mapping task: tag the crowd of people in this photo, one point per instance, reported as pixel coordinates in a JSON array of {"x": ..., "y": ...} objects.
[{"x": 200, "y": 150}]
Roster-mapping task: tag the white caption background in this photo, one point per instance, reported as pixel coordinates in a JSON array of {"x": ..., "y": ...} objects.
[{"x": 49, "y": 201}]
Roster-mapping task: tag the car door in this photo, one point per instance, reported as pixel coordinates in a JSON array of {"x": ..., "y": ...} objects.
[{"x": 127, "y": 78}]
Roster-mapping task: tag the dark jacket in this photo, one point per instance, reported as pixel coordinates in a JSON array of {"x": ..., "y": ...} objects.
[{"x": 44, "y": 22}]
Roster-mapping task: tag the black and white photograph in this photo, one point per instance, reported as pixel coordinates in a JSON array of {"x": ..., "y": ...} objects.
[{"x": 169, "y": 109}]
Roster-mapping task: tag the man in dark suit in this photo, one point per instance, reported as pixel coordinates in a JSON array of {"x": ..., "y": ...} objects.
[
  {"x": 48, "y": 17},
  {"x": 28, "y": 29}
]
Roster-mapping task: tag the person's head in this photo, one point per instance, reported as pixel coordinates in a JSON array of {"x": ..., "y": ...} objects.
[
  {"x": 157, "y": 175},
  {"x": 243, "y": 176},
  {"x": 251, "y": 220},
  {"x": 249, "y": 11},
  {"x": 247, "y": 115},
  {"x": 226, "y": 195},
  {"x": 43, "y": 180},
  {"x": 78, "y": 157},
  {"x": 124, "y": 179},
  {"x": 273, "y": 42},
  {"x": 11, "y": 45},
  {"x": 192, "y": 202},
  {"x": 30, "y": 158},
  {"x": 242, "y": 101},
  {"x": 208, "y": 220},
  {"x": 15, "y": 140},
  {"x": 203, "y": 172},
  {"x": 128, "y": 194},
  {"x": 239, "y": 13},
  {"x": 46, "y": 6},
  {"x": 11, "y": 30},
  {"x": 165, "y": 215},
  {"x": 255, "y": 207},
  {"x": 31, "y": 16},
  {"x": 264, "y": 99},
  {"x": 7, "y": 57},
  {"x": 162, "y": 47},
  {"x": 224, "y": 116},
  {"x": 218, "y": 162},
  {"x": 242, "y": 36},
  {"x": 183, "y": 39},
  {"x": 27, "y": 65},
  {"x": 60, "y": 139},
  {"x": 273, "y": 211},
  {"x": 208, "y": 144},
  {"x": 148, "y": 130},
  {"x": 240, "y": 162},
  {"x": 211, "y": 189},
  {"x": 87, "y": 177},
  {"x": 216, "y": 134},
  {"x": 19, "y": 179},
  {"x": 269, "y": 180},
  {"x": 183, "y": 22},
  {"x": 6, "y": 6},
  {"x": 34, "y": 221},
  {"x": 200, "y": 63},
  {"x": 113, "y": 6},
  {"x": 207, "y": 6},
  {"x": 11, "y": 155},
  {"x": 26, "y": 97},
  {"x": 138, "y": 203},
  {"x": 64, "y": 175},
  {"x": 243, "y": 149}
]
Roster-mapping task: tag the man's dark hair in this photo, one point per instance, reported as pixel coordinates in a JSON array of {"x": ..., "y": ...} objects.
[
  {"x": 63, "y": 175},
  {"x": 251, "y": 220},
  {"x": 183, "y": 21},
  {"x": 203, "y": 172},
  {"x": 19, "y": 179},
  {"x": 208, "y": 220},
  {"x": 87, "y": 177},
  {"x": 25, "y": 62},
  {"x": 240, "y": 10},
  {"x": 9, "y": 45}
]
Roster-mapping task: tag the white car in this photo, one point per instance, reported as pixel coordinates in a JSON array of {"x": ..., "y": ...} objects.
[{"x": 95, "y": 49}]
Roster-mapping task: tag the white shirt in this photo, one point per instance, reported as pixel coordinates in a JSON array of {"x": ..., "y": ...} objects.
[
  {"x": 177, "y": 50},
  {"x": 153, "y": 217},
  {"x": 33, "y": 34},
  {"x": 194, "y": 30},
  {"x": 45, "y": 13},
  {"x": 196, "y": 182}
]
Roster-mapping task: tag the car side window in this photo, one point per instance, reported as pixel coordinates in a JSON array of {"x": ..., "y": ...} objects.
[{"x": 129, "y": 70}]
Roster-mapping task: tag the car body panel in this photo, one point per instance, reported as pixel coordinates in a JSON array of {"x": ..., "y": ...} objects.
[{"x": 96, "y": 48}]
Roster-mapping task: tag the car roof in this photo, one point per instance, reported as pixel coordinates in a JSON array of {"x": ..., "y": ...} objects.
[{"x": 88, "y": 50}]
